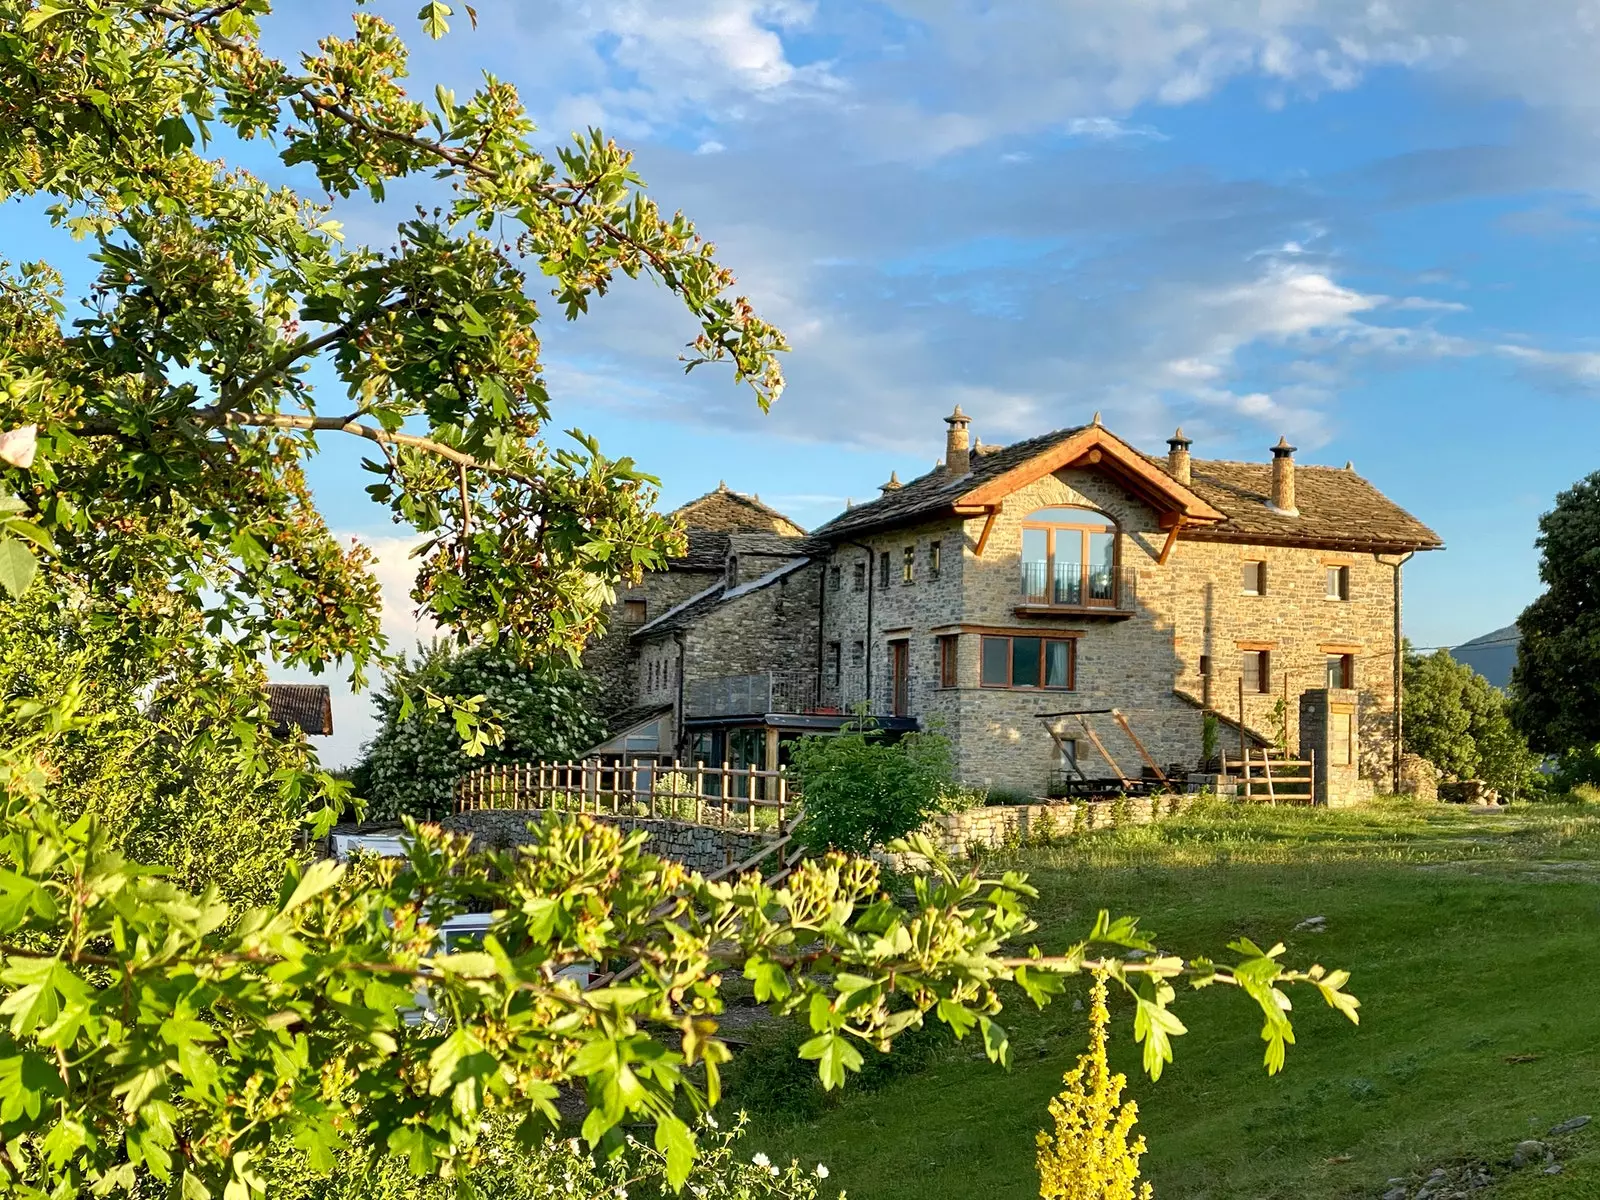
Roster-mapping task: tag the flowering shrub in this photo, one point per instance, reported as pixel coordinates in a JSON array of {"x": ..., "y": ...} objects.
[
  {"x": 1090, "y": 1155},
  {"x": 564, "y": 1167}
]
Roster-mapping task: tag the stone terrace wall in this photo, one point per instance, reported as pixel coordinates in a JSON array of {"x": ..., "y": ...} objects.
[
  {"x": 699, "y": 847},
  {"x": 999, "y": 824}
]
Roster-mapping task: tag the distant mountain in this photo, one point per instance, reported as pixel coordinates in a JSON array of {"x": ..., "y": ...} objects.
[{"x": 1492, "y": 655}]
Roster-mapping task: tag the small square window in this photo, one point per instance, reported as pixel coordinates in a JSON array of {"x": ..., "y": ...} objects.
[
  {"x": 947, "y": 660},
  {"x": 883, "y": 569},
  {"x": 1255, "y": 578},
  {"x": 858, "y": 653},
  {"x": 1205, "y": 665},
  {"x": 996, "y": 662},
  {"x": 908, "y": 565},
  {"x": 1341, "y": 670},
  {"x": 634, "y": 611},
  {"x": 861, "y": 576},
  {"x": 1338, "y": 583},
  {"x": 934, "y": 549},
  {"x": 1257, "y": 667},
  {"x": 835, "y": 578}
]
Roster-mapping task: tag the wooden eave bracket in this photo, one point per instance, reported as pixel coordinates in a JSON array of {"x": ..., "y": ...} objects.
[
  {"x": 988, "y": 528},
  {"x": 1172, "y": 540}
]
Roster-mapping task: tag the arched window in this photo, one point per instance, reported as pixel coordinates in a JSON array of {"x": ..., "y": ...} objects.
[{"x": 1069, "y": 556}]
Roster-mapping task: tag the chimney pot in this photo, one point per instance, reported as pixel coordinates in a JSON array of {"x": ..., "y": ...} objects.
[
  {"x": 1283, "y": 479},
  {"x": 1178, "y": 464},
  {"x": 957, "y": 451},
  {"x": 892, "y": 486}
]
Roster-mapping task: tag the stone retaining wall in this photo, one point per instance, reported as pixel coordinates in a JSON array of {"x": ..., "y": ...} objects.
[
  {"x": 1015, "y": 824},
  {"x": 699, "y": 847}
]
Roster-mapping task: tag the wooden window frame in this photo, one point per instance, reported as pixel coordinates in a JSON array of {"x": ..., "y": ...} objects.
[
  {"x": 1347, "y": 670},
  {"x": 1085, "y": 567},
  {"x": 1260, "y": 565},
  {"x": 1263, "y": 660},
  {"x": 1338, "y": 575},
  {"x": 935, "y": 553},
  {"x": 900, "y": 676},
  {"x": 1011, "y": 661},
  {"x": 949, "y": 644},
  {"x": 908, "y": 564},
  {"x": 628, "y": 605}
]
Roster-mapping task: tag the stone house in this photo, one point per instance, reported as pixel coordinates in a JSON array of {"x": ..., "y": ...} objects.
[{"x": 1063, "y": 573}]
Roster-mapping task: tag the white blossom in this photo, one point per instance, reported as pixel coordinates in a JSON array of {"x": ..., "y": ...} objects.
[{"x": 822, "y": 1171}]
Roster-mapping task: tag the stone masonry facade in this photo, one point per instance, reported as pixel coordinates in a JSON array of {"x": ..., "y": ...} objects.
[{"x": 907, "y": 589}]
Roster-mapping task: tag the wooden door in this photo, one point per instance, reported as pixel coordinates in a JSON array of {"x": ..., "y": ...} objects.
[{"x": 900, "y": 678}]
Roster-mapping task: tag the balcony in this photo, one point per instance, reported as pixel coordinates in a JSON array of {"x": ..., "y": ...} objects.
[
  {"x": 1078, "y": 589},
  {"x": 752, "y": 695}
]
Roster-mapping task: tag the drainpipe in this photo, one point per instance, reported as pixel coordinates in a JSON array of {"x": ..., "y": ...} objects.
[
  {"x": 1399, "y": 666},
  {"x": 872, "y": 583},
  {"x": 822, "y": 626},
  {"x": 679, "y": 743}
]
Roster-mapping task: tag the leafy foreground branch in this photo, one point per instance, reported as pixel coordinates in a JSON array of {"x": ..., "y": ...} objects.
[{"x": 147, "y": 1033}]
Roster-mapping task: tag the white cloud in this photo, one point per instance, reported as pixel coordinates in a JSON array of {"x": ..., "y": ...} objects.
[
  {"x": 711, "y": 146},
  {"x": 1105, "y": 129}
]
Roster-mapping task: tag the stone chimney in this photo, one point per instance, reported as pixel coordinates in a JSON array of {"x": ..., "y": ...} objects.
[
  {"x": 1178, "y": 457},
  {"x": 957, "y": 454},
  {"x": 1283, "y": 479}
]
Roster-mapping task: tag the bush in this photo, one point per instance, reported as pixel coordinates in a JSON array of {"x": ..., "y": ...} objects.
[
  {"x": 555, "y": 1167},
  {"x": 410, "y": 768},
  {"x": 862, "y": 789}
]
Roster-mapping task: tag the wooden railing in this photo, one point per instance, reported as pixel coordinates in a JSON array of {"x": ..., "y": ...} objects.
[
  {"x": 722, "y": 797},
  {"x": 1273, "y": 779}
]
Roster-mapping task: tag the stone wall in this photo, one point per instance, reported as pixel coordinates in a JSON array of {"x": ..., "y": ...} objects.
[
  {"x": 610, "y": 659},
  {"x": 1192, "y": 606},
  {"x": 1016, "y": 824},
  {"x": 698, "y": 847}
]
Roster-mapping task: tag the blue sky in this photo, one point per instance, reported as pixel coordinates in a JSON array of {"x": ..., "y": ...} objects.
[{"x": 1370, "y": 226}]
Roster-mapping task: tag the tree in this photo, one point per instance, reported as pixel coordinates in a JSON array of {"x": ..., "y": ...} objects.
[
  {"x": 1555, "y": 686},
  {"x": 863, "y": 789},
  {"x": 1458, "y": 721},
  {"x": 156, "y": 1033},
  {"x": 175, "y": 760},
  {"x": 185, "y": 388},
  {"x": 542, "y": 712}
]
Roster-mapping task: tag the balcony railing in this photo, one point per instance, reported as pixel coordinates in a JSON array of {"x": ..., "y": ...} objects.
[
  {"x": 1083, "y": 587},
  {"x": 748, "y": 695}
]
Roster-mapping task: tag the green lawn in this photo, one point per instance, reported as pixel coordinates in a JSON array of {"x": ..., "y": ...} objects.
[{"x": 1472, "y": 940}]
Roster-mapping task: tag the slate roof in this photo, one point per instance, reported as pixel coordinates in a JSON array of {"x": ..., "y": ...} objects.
[
  {"x": 304, "y": 706},
  {"x": 725, "y": 511},
  {"x": 1337, "y": 507},
  {"x": 719, "y": 593},
  {"x": 932, "y": 494}
]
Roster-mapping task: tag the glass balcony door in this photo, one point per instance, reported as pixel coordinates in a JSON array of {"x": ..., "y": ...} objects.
[{"x": 1069, "y": 558}]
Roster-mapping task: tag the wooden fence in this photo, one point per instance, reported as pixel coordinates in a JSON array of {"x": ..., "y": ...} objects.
[
  {"x": 1277, "y": 780},
  {"x": 723, "y": 797}
]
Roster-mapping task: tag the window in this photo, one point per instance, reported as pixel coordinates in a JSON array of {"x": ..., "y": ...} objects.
[
  {"x": 947, "y": 660},
  {"x": 836, "y": 579},
  {"x": 1338, "y": 583},
  {"x": 861, "y": 576},
  {"x": 1255, "y": 578},
  {"x": 858, "y": 654},
  {"x": 908, "y": 565},
  {"x": 900, "y": 677},
  {"x": 1258, "y": 671},
  {"x": 633, "y": 611},
  {"x": 883, "y": 569},
  {"x": 1205, "y": 666},
  {"x": 733, "y": 570},
  {"x": 833, "y": 664},
  {"x": 1066, "y": 756},
  {"x": 1341, "y": 670},
  {"x": 1069, "y": 556},
  {"x": 1027, "y": 662},
  {"x": 934, "y": 549}
]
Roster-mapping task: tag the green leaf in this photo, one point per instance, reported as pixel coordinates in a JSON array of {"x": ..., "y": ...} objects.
[
  {"x": 432, "y": 15},
  {"x": 834, "y": 1056},
  {"x": 17, "y": 566}
]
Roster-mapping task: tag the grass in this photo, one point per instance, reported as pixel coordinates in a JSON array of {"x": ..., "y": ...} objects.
[{"x": 1472, "y": 941}]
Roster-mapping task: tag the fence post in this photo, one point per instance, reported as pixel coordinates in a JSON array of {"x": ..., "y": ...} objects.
[
  {"x": 750, "y": 798},
  {"x": 783, "y": 797},
  {"x": 725, "y": 778},
  {"x": 699, "y": 789}
]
